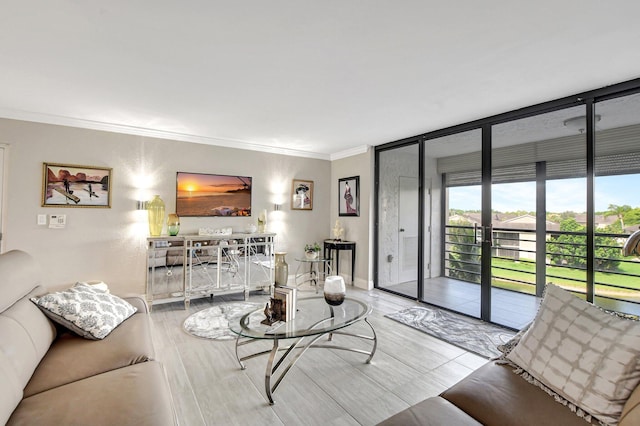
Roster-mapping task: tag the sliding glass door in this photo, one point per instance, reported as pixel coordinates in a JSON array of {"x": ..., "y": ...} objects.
[
  {"x": 398, "y": 219},
  {"x": 617, "y": 202},
  {"x": 479, "y": 218},
  {"x": 453, "y": 165},
  {"x": 538, "y": 189}
]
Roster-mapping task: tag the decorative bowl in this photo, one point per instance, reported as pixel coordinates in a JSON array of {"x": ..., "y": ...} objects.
[{"x": 311, "y": 255}]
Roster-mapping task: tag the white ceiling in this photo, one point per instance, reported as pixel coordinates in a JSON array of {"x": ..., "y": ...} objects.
[{"x": 321, "y": 78}]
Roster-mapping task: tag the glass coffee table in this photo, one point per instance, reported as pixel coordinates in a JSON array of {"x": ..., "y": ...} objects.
[{"x": 314, "y": 319}]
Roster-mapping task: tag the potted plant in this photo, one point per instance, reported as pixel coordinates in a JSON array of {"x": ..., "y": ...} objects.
[{"x": 311, "y": 251}]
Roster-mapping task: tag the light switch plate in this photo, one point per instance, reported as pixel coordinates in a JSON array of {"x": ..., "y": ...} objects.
[{"x": 42, "y": 219}]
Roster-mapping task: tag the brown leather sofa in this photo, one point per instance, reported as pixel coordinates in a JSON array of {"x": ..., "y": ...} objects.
[
  {"x": 50, "y": 376},
  {"x": 495, "y": 395}
]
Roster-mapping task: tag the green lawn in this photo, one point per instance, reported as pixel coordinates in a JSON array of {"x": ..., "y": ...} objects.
[{"x": 524, "y": 271}]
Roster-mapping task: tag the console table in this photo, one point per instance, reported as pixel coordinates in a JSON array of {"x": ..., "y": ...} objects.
[
  {"x": 185, "y": 267},
  {"x": 332, "y": 245}
]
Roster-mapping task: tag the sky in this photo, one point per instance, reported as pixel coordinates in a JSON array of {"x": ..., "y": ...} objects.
[
  {"x": 562, "y": 195},
  {"x": 194, "y": 183}
]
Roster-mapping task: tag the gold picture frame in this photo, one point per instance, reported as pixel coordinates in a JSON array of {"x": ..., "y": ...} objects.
[
  {"x": 301, "y": 194},
  {"x": 72, "y": 185}
]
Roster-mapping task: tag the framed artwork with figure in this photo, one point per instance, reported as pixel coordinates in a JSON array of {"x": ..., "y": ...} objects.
[
  {"x": 71, "y": 185},
  {"x": 349, "y": 196},
  {"x": 302, "y": 194}
]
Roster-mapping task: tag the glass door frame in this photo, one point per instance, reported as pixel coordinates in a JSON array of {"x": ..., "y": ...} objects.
[
  {"x": 587, "y": 99},
  {"x": 376, "y": 216}
]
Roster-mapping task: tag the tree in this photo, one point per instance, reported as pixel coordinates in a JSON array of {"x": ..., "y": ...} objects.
[
  {"x": 571, "y": 249},
  {"x": 463, "y": 252},
  {"x": 619, "y": 212},
  {"x": 632, "y": 217}
]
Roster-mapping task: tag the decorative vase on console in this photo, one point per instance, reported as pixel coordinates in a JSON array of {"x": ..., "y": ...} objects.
[
  {"x": 262, "y": 222},
  {"x": 155, "y": 211},
  {"x": 281, "y": 269},
  {"x": 173, "y": 224}
]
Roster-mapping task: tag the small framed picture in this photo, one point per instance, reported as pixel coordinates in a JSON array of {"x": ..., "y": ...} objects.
[
  {"x": 69, "y": 185},
  {"x": 349, "y": 196},
  {"x": 302, "y": 194}
]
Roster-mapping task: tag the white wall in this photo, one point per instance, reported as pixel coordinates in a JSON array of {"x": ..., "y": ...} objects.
[
  {"x": 357, "y": 228},
  {"x": 109, "y": 244}
]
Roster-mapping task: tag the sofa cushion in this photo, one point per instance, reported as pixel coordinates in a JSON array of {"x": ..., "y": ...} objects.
[
  {"x": 495, "y": 395},
  {"x": 10, "y": 389},
  {"x": 587, "y": 356},
  {"x": 134, "y": 395},
  {"x": 72, "y": 358},
  {"x": 434, "y": 411},
  {"x": 91, "y": 313},
  {"x": 20, "y": 276}
]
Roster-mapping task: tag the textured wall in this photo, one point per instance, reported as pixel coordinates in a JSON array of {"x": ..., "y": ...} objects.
[
  {"x": 110, "y": 244},
  {"x": 393, "y": 164}
]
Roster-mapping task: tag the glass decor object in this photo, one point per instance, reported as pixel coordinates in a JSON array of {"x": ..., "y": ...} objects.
[
  {"x": 173, "y": 224},
  {"x": 334, "y": 290},
  {"x": 281, "y": 269},
  {"x": 155, "y": 210},
  {"x": 262, "y": 222},
  {"x": 312, "y": 251}
]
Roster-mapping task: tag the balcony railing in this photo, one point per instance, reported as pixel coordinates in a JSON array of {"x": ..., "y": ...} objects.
[{"x": 616, "y": 279}]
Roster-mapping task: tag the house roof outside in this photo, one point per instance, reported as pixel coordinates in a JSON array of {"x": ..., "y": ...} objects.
[{"x": 528, "y": 222}]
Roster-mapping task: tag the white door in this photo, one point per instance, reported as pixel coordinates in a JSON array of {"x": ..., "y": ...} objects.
[{"x": 407, "y": 229}]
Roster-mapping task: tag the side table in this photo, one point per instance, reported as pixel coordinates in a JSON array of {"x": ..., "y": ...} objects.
[
  {"x": 313, "y": 272},
  {"x": 331, "y": 245}
]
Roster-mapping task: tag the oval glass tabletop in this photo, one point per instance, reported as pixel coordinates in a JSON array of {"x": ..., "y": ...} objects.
[{"x": 313, "y": 316}]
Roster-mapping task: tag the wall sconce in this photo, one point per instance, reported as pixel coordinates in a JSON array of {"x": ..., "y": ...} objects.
[
  {"x": 141, "y": 205},
  {"x": 277, "y": 207}
]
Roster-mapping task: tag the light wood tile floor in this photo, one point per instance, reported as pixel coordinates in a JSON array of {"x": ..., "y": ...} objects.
[{"x": 325, "y": 387}]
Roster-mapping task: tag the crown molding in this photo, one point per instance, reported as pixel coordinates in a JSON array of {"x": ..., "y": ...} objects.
[
  {"x": 154, "y": 133},
  {"x": 349, "y": 152}
]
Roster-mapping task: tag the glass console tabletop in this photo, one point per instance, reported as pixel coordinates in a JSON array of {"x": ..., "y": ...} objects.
[{"x": 314, "y": 319}]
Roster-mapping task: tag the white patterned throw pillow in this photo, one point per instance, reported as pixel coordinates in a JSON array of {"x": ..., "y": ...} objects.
[
  {"x": 89, "y": 312},
  {"x": 584, "y": 354}
]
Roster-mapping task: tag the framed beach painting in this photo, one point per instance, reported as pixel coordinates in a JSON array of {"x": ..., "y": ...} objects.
[
  {"x": 349, "y": 196},
  {"x": 202, "y": 194},
  {"x": 69, "y": 185},
  {"x": 302, "y": 194}
]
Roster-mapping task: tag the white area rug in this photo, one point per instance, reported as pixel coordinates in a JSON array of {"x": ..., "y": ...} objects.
[{"x": 213, "y": 323}]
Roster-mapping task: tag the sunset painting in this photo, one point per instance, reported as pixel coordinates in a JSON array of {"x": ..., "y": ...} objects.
[{"x": 199, "y": 194}]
